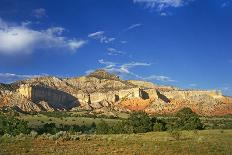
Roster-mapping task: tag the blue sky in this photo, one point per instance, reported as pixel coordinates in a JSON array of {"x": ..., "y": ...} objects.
[{"x": 184, "y": 43}]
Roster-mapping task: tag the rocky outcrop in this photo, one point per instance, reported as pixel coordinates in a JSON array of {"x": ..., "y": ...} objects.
[{"x": 101, "y": 90}]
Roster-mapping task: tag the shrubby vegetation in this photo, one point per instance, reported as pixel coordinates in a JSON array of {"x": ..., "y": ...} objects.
[
  {"x": 56, "y": 114},
  {"x": 52, "y": 128},
  {"x": 13, "y": 126},
  {"x": 138, "y": 122},
  {"x": 188, "y": 120},
  {"x": 64, "y": 114}
]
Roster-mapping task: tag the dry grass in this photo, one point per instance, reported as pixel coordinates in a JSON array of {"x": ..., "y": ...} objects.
[{"x": 203, "y": 142}]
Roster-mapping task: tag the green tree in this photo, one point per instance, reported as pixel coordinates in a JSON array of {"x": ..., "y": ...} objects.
[
  {"x": 102, "y": 128},
  {"x": 49, "y": 128},
  {"x": 121, "y": 127},
  {"x": 159, "y": 127},
  {"x": 140, "y": 122},
  {"x": 188, "y": 120}
]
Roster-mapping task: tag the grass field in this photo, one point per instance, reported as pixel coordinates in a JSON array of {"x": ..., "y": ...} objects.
[
  {"x": 35, "y": 121},
  {"x": 40, "y": 119},
  {"x": 202, "y": 142}
]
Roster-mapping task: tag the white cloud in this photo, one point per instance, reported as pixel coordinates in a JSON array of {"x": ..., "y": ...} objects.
[
  {"x": 21, "y": 39},
  {"x": 100, "y": 35},
  {"x": 227, "y": 90},
  {"x": 9, "y": 77},
  {"x": 124, "y": 70},
  {"x": 113, "y": 51},
  {"x": 226, "y": 3},
  {"x": 123, "y": 42},
  {"x": 163, "y": 14},
  {"x": 192, "y": 85},
  {"x": 161, "y": 5},
  {"x": 121, "y": 68},
  {"x": 96, "y": 35},
  {"x": 75, "y": 44},
  {"x": 39, "y": 13},
  {"x": 133, "y": 26},
  {"x": 89, "y": 71},
  {"x": 107, "y": 64},
  {"x": 159, "y": 78}
]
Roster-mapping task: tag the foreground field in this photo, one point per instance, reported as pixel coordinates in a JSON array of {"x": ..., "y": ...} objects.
[
  {"x": 202, "y": 142},
  {"x": 38, "y": 120}
]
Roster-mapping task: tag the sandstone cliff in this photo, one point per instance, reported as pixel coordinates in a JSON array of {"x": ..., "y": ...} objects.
[{"x": 101, "y": 90}]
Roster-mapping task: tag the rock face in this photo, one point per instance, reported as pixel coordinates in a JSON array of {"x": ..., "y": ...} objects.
[{"x": 101, "y": 90}]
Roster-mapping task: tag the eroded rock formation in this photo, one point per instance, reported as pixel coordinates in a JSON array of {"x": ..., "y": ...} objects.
[{"x": 101, "y": 90}]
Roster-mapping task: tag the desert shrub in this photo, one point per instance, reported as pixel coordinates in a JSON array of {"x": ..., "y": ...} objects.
[
  {"x": 33, "y": 134},
  {"x": 140, "y": 122},
  {"x": 48, "y": 128},
  {"x": 1, "y": 132},
  {"x": 13, "y": 126},
  {"x": 159, "y": 127},
  {"x": 158, "y": 124},
  {"x": 188, "y": 120},
  {"x": 5, "y": 138},
  {"x": 102, "y": 128},
  {"x": 121, "y": 128}
]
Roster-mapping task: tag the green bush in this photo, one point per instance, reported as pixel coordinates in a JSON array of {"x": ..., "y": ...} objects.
[
  {"x": 140, "y": 122},
  {"x": 102, "y": 128},
  {"x": 188, "y": 120},
  {"x": 13, "y": 126},
  {"x": 48, "y": 128},
  {"x": 121, "y": 128},
  {"x": 159, "y": 127}
]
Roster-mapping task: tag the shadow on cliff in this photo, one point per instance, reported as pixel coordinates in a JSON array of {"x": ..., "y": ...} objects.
[
  {"x": 163, "y": 97},
  {"x": 56, "y": 99}
]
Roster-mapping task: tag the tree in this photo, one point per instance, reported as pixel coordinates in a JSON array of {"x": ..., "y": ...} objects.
[
  {"x": 159, "y": 127},
  {"x": 140, "y": 122},
  {"x": 49, "y": 128},
  {"x": 102, "y": 127},
  {"x": 122, "y": 127},
  {"x": 188, "y": 120},
  {"x": 158, "y": 124}
]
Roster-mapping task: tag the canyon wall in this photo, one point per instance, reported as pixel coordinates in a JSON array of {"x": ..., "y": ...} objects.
[
  {"x": 187, "y": 93},
  {"x": 55, "y": 98}
]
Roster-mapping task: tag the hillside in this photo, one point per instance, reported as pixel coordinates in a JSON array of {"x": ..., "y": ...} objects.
[{"x": 102, "y": 92}]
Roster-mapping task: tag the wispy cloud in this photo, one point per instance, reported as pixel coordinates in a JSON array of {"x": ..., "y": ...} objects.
[
  {"x": 192, "y": 84},
  {"x": 39, "y": 13},
  {"x": 9, "y": 77},
  {"x": 226, "y": 90},
  {"x": 113, "y": 51},
  {"x": 226, "y": 3},
  {"x": 122, "y": 69},
  {"x": 20, "y": 39},
  {"x": 100, "y": 35},
  {"x": 158, "y": 78},
  {"x": 125, "y": 70},
  {"x": 96, "y": 35},
  {"x": 123, "y": 42},
  {"x": 162, "y": 5},
  {"x": 133, "y": 26}
]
